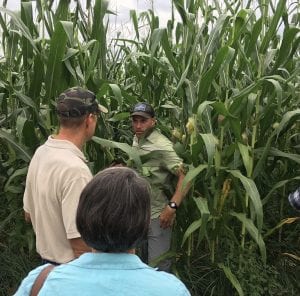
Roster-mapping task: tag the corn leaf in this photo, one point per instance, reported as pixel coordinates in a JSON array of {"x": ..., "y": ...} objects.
[
  {"x": 135, "y": 23},
  {"x": 122, "y": 146},
  {"x": 293, "y": 157},
  {"x": 280, "y": 224},
  {"x": 210, "y": 142},
  {"x": 117, "y": 93},
  {"x": 247, "y": 159},
  {"x": 191, "y": 229},
  {"x": 192, "y": 174},
  {"x": 289, "y": 35},
  {"x": 53, "y": 82},
  {"x": 280, "y": 9},
  {"x": 275, "y": 187},
  {"x": 17, "y": 173},
  {"x": 232, "y": 278},
  {"x": 287, "y": 119},
  {"x": 253, "y": 193},
  {"x": 168, "y": 51},
  {"x": 23, "y": 28},
  {"x": 27, "y": 18},
  {"x": 254, "y": 232},
  {"x": 208, "y": 77},
  {"x": 205, "y": 215},
  {"x": 22, "y": 151}
]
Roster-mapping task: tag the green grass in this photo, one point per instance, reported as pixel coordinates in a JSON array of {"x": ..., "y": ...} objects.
[{"x": 14, "y": 266}]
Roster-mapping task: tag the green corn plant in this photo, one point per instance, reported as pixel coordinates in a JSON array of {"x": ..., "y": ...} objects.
[
  {"x": 241, "y": 95},
  {"x": 224, "y": 81}
]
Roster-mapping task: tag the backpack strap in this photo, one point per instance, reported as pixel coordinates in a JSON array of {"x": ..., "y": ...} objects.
[{"x": 39, "y": 282}]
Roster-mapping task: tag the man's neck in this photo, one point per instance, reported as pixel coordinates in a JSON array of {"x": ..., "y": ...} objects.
[
  {"x": 75, "y": 138},
  {"x": 146, "y": 134}
]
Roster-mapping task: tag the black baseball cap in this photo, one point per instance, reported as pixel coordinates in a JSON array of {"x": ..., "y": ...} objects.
[
  {"x": 143, "y": 109},
  {"x": 76, "y": 102}
]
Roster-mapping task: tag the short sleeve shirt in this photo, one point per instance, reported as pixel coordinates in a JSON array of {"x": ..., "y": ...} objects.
[
  {"x": 56, "y": 176},
  {"x": 160, "y": 164}
]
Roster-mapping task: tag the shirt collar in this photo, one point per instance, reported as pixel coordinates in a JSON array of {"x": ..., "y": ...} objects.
[
  {"x": 148, "y": 136},
  {"x": 110, "y": 261},
  {"x": 65, "y": 144}
]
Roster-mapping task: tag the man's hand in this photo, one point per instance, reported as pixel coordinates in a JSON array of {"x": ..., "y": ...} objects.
[{"x": 167, "y": 217}]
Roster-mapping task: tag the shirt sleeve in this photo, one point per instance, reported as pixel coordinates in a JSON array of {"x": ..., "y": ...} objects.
[
  {"x": 27, "y": 283},
  {"x": 70, "y": 200},
  {"x": 27, "y": 198},
  {"x": 168, "y": 157},
  {"x": 172, "y": 161}
]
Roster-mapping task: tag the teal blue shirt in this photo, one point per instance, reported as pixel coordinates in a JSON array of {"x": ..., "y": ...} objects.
[
  {"x": 105, "y": 274},
  {"x": 160, "y": 165}
]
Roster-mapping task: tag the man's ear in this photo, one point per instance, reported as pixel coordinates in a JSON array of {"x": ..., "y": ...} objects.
[{"x": 88, "y": 120}]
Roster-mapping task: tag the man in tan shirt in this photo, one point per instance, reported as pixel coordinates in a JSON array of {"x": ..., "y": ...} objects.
[
  {"x": 56, "y": 176},
  {"x": 160, "y": 164}
]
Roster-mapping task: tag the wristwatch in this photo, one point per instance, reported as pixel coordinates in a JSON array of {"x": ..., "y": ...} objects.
[{"x": 173, "y": 205}]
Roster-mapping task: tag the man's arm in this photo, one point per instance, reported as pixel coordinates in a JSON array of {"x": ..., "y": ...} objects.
[
  {"x": 79, "y": 246},
  {"x": 167, "y": 215},
  {"x": 27, "y": 217}
]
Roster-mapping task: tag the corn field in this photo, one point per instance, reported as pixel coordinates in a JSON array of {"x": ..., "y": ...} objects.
[{"x": 224, "y": 80}]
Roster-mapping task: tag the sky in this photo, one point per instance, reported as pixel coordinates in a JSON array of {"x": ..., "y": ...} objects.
[{"x": 121, "y": 22}]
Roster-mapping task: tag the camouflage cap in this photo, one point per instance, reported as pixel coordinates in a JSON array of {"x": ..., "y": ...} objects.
[{"x": 76, "y": 102}]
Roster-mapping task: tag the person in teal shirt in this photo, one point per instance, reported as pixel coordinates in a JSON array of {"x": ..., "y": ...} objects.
[
  {"x": 113, "y": 218},
  {"x": 165, "y": 172}
]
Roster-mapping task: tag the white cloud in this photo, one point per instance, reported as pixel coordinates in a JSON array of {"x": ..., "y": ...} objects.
[
  {"x": 13, "y": 4},
  {"x": 121, "y": 22}
]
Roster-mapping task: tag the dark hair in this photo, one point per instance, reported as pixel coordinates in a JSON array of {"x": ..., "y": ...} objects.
[
  {"x": 113, "y": 214},
  {"x": 71, "y": 122}
]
